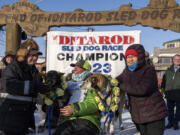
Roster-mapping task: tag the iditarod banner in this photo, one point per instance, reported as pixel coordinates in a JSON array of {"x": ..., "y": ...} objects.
[{"x": 103, "y": 50}]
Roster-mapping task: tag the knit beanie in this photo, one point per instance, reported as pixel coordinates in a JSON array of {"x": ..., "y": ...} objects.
[{"x": 131, "y": 52}]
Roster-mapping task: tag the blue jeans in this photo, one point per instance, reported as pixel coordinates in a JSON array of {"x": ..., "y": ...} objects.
[{"x": 173, "y": 115}]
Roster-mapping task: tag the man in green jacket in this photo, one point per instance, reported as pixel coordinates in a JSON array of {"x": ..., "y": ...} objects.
[
  {"x": 171, "y": 84},
  {"x": 81, "y": 116}
]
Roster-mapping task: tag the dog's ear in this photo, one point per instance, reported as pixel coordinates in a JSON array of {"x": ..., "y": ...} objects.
[
  {"x": 69, "y": 77},
  {"x": 60, "y": 73},
  {"x": 52, "y": 74},
  {"x": 94, "y": 82}
]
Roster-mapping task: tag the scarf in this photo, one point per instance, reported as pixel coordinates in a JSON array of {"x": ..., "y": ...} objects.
[
  {"x": 81, "y": 77},
  {"x": 133, "y": 66}
]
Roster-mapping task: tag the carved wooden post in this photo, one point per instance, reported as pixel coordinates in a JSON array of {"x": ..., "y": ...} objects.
[{"x": 13, "y": 37}]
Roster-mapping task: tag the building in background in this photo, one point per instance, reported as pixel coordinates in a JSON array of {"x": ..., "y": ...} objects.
[{"x": 162, "y": 58}]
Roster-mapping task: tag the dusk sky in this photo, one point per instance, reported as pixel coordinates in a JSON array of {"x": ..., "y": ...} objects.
[{"x": 149, "y": 37}]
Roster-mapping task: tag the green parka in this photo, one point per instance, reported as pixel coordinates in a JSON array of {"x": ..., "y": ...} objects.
[
  {"x": 171, "y": 84},
  {"x": 87, "y": 109}
]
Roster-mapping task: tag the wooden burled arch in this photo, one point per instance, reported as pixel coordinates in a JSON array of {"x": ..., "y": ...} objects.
[{"x": 159, "y": 14}]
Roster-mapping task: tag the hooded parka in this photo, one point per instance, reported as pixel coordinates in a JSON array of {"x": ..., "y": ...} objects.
[{"x": 146, "y": 102}]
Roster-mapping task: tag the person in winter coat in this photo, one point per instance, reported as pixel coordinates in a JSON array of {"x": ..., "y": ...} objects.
[
  {"x": 139, "y": 80},
  {"x": 81, "y": 116},
  {"x": 171, "y": 86},
  {"x": 21, "y": 83},
  {"x": 147, "y": 58},
  {"x": 8, "y": 58}
]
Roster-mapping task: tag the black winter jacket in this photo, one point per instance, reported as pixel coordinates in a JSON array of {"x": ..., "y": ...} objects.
[{"x": 18, "y": 79}]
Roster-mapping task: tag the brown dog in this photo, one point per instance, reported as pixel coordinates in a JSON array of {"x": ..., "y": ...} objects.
[{"x": 101, "y": 84}]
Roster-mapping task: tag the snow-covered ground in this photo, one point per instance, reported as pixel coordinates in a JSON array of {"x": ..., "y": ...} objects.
[{"x": 129, "y": 128}]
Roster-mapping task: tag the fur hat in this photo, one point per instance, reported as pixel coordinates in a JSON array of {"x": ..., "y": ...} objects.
[{"x": 29, "y": 47}]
